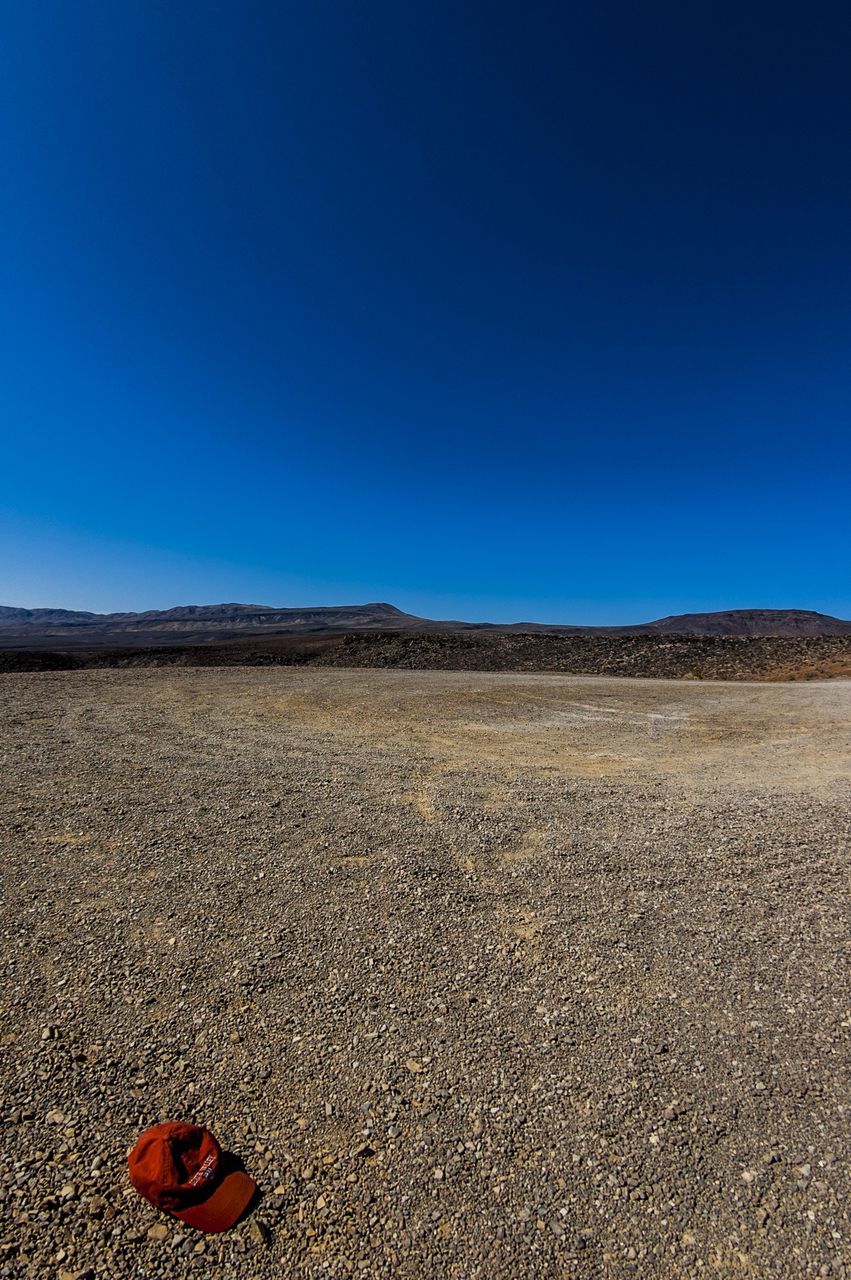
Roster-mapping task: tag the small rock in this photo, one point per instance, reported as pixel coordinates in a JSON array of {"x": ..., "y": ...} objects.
[
  {"x": 158, "y": 1232},
  {"x": 259, "y": 1233},
  {"x": 413, "y": 1065}
]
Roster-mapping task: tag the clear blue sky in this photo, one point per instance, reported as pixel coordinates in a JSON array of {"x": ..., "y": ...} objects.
[{"x": 490, "y": 310}]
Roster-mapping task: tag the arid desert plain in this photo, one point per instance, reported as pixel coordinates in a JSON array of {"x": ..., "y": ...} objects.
[{"x": 484, "y": 977}]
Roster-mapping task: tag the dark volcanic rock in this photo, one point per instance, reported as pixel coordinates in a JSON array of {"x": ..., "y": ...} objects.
[
  {"x": 664, "y": 657},
  {"x": 656, "y": 656}
]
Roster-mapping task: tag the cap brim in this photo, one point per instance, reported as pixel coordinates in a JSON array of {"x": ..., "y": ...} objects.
[{"x": 221, "y": 1209}]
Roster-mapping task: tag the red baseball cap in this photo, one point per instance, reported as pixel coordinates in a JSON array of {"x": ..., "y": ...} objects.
[{"x": 182, "y": 1169}]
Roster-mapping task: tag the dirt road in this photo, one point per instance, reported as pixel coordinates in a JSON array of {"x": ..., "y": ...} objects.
[{"x": 483, "y": 975}]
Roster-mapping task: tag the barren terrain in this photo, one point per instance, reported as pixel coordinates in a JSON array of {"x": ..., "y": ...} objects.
[
  {"x": 484, "y": 975},
  {"x": 192, "y": 625},
  {"x": 667, "y": 657}
]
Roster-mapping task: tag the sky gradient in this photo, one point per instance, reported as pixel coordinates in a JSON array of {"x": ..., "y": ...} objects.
[{"x": 493, "y": 311}]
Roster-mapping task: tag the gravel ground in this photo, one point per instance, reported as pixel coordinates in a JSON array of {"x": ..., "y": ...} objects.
[{"x": 483, "y": 976}]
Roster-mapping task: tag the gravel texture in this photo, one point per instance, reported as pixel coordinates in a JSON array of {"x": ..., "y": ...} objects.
[{"x": 482, "y": 976}]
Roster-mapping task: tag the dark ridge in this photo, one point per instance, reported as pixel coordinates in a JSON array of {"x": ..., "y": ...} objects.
[{"x": 675, "y": 657}]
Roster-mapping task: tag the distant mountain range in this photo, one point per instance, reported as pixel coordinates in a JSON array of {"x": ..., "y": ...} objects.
[{"x": 194, "y": 624}]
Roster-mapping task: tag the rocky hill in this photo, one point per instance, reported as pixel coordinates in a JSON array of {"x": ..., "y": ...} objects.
[
  {"x": 187, "y": 624},
  {"x": 751, "y": 622},
  {"x": 199, "y": 624}
]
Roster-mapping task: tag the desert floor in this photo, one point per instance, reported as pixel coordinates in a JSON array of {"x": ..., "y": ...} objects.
[{"x": 482, "y": 975}]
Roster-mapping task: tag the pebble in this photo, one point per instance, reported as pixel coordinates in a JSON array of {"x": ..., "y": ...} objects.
[{"x": 259, "y": 1233}]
